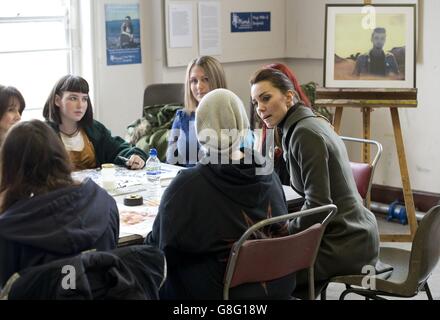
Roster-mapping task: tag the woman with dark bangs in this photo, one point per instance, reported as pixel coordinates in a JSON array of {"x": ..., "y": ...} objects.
[
  {"x": 44, "y": 214},
  {"x": 11, "y": 107},
  {"x": 68, "y": 110}
]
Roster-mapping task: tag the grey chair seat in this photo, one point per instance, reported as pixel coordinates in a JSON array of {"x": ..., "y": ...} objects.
[
  {"x": 390, "y": 281},
  {"x": 411, "y": 269}
]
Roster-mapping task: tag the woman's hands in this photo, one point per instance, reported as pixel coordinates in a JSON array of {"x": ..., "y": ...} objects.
[{"x": 135, "y": 162}]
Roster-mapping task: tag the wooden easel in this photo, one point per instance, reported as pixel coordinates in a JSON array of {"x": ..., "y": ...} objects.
[{"x": 366, "y": 100}]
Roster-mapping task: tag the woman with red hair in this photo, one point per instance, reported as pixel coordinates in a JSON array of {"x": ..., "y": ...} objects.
[
  {"x": 277, "y": 152},
  {"x": 289, "y": 73},
  {"x": 320, "y": 171}
]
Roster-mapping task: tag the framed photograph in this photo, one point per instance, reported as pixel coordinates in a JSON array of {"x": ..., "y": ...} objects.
[{"x": 371, "y": 46}]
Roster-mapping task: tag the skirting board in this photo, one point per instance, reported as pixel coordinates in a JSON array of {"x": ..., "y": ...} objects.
[{"x": 423, "y": 201}]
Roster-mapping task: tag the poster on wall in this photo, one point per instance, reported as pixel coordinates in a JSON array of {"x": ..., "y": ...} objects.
[
  {"x": 250, "y": 21},
  {"x": 123, "y": 38},
  {"x": 210, "y": 28},
  {"x": 181, "y": 28}
]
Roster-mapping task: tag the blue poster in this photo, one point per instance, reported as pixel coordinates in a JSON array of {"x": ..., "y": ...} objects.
[
  {"x": 250, "y": 21},
  {"x": 123, "y": 37}
]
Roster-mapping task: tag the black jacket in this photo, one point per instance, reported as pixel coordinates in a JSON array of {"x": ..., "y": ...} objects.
[
  {"x": 57, "y": 225},
  {"x": 203, "y": 212},
  {"x": 134, "y": 272}
]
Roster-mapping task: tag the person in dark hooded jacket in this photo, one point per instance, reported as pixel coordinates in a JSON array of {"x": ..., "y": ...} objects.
[
  {"x": 129, "y": 273},
  {"x": 207, "y": 208},
  {"x": 44, "y": 214}
]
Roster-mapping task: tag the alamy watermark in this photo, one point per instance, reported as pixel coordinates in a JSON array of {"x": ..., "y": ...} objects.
[
  {"x": 219, "y": 147},
  {"x": 369, "y": 20},
  {"x": 369, "y": 281},
  {"x": 68, "y": 281}
]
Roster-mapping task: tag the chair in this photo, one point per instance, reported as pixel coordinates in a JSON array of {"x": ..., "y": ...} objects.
[
  {"x": 248, "y": 258},
  {"x": 164, "y": 93},
  {"x": 363, "y": 172},
  {"x": 411, "y": 269}
]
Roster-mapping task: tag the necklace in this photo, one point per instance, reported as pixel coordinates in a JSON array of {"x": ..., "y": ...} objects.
[{"x": 70, "y": 135}]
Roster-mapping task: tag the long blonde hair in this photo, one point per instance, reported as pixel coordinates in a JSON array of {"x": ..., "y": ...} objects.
[{"x": 216, "y": 78}]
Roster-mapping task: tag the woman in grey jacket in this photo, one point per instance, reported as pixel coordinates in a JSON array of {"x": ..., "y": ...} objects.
[{"x": 319, "y": 169}]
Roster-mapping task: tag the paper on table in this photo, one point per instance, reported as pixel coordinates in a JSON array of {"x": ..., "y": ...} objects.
[
  {"x": 127, "y": 181},
  {"x": 168, "y": 171},
  {"x": 136, "y": 220}
]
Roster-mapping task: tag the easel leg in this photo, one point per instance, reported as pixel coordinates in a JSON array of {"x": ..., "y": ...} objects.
[
  {"x": 407, "y": 192},
  {"x": 366, "y": 157},
  {"x": 337, "y": 120},
  {"x": 366, "y": 117}
]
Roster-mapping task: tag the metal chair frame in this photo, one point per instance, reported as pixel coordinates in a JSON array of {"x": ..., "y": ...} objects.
[
  {"x": 373, "y": 164},
  {"x": 235, "y": 251}
]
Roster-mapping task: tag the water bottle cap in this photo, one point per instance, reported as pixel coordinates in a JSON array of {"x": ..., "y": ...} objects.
[{"x": 153, "y": 152}]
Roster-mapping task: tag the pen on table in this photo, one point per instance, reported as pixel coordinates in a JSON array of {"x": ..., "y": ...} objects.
[
  {"x": 123, "y": 158},
  {"x": 126, "y": 160}
]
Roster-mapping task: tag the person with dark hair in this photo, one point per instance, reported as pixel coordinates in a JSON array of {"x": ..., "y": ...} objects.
[
  {"x": 377, "y": 62},
  {"x": 274, "y": 148},
  {"x": 208, "y": 207},
  {"x": 68, "y": 110},
  {"x": 11, "y": 107},
  {"x": 127, "y": 33},
  {"x": 319, "y": 169},
  {"x": 44, "y": 214}
]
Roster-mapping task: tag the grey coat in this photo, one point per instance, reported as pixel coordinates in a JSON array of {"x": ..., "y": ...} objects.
[{"x": 319, "y": 170}]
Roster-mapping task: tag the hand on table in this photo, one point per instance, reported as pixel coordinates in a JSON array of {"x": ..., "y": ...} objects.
[{"x": 135, "y": 162}]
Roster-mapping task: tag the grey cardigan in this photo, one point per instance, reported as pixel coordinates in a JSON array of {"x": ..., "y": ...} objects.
[{"x": 319, "y": 169}]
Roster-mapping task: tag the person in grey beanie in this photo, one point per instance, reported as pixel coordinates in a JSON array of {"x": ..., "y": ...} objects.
[
  {"x": 222, "y": 125},
  {"x": 208, "y": 207}
]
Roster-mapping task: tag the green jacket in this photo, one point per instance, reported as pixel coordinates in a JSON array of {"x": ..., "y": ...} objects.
[
  {"x": 319, "y": 169},
  {"x": 152, "y": 130},
  {"x": 107, "y": 148}
]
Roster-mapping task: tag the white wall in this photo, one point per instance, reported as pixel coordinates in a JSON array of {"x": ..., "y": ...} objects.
[
  {"x": 421, "y": 129},
  {"x": 119, "y": 89},
  {"x": 237, "y": 74}
]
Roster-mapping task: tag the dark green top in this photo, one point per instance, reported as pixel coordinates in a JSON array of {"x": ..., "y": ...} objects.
[
  {"x": 107, "y": 148},
  {"x": 320, "y": 170}
]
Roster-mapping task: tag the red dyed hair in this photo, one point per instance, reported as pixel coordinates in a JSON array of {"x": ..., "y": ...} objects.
[
  {"x": 289, "y": 73},
  {"x": 302, "y": 96}
]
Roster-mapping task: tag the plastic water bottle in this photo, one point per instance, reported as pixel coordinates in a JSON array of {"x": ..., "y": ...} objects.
[{"x": 152, "y": 167}]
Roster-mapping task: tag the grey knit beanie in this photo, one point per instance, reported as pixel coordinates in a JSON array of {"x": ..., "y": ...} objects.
[{"x": 221, "y": 122}]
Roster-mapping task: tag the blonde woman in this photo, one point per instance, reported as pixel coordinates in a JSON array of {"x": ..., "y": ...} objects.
[{"x": 203, "y": 75}]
